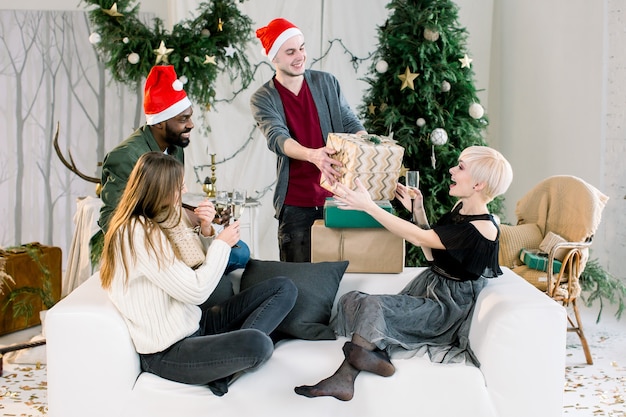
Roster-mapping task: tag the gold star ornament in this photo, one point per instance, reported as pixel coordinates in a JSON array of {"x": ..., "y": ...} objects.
[
  {"x": 407, "y": 79},
  {"x": 113, "y": 11},
  {"x": 403, "y": 171},
  {"x": 162, "y": 53},
  {"x": 220, "y": 25},
  {"x": 371, "y": 108},
  {"x": 465, "y": 61},
  {"x": 209, "y": 60}
]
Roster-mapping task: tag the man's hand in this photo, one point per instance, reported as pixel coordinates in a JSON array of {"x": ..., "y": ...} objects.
[
  {"x": 321, "y": 157},
  {"x": 222, "y": 217}
]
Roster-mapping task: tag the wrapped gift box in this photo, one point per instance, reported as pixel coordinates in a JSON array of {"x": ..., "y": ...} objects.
[
  {"x": 374, "y": 250},
  {"x": 535, "y": 259},
  {"x": 375, "y": 160},
  {"x": 32, "y": 267},
  {"x": 334, "y": 216}
]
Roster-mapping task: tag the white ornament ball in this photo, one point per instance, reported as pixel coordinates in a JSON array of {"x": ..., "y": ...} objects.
[
  {"x": 133, "y": 58},
  {"x": 125, "y": 40},
  {"x": 439, "y": 136},
  {"x": 382, "y": 66},
  {"x": 177, "y": 85},
  {"x": 431, "y": 35},
  {"x": 183, "y": 79},
  {"x": 94, "y": 38},
  {"x": 445, "y": 86},
  {"x": 186, "y": 59},
  {"x": 476, "y": 111},
  {"x": 420, "y": 122}
]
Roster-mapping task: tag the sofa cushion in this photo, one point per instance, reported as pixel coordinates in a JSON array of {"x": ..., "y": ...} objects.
[
  {"x": 317, "y": 286},
  {"x": 515, "y": 238}
]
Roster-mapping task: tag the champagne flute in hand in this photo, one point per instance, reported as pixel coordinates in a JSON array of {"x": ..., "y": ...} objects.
[
  {"x": 238, "y": 200},
  {"x": 413, "y": 182},
  {"x": 222, "y": 215}
]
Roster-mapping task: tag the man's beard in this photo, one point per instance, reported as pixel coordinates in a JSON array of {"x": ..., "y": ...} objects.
[{"x": 176, "y": 139}]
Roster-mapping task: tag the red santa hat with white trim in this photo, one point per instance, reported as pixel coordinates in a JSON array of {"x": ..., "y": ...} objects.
[
  {"x": 163, "y": 96},
  {"x": 275, "y": 34}
]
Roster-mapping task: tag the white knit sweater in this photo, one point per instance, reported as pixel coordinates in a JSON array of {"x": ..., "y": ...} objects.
[{"x": 160, "y": 305}]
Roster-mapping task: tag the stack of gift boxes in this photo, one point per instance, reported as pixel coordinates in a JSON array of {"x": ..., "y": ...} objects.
[{"x": 354, "y": 235}]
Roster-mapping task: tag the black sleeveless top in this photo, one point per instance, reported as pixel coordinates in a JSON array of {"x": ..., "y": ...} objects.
[{"x": 468, "y": 254}]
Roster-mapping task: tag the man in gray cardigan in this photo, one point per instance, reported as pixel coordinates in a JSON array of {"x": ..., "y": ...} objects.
[{"x": 296, "y": 110}]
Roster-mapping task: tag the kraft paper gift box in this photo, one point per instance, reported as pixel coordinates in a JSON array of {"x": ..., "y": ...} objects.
[
  {"x": 374, "y": 250},
  {"x": 375, "y": 160},
  {"x": 538, "y": 260},
  {"x": 334, "y": 216}
]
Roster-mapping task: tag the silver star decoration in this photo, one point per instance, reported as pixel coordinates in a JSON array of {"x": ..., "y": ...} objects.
[
  {"x": 465, "y": 61},
  {"x": 230, "y": 51}
]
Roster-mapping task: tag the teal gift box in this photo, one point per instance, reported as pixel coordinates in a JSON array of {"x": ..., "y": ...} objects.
[
  {"x": 339, "y": 218},
  {"x": 535, "y": 259}
]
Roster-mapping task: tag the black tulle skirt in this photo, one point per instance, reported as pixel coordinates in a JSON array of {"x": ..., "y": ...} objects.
[{"x": 431, "y": 315}]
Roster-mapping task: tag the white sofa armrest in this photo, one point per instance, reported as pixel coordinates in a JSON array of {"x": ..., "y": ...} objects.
[
  {"x": 88, "y": 339},
  {"x": 519, "y": 336}
]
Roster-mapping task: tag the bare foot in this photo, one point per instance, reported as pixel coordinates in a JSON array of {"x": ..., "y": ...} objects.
[
  {"x": 339, "y": 385},
  {"x": 362, "y": 359}
]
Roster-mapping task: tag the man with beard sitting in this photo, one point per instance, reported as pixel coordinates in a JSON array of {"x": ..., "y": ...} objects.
[{"x": 168, "y": 128}]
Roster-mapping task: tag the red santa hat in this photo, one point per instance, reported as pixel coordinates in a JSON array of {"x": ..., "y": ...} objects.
[
  {"x": 275, "y": 34},
  {"x": 164, "y": 96}
]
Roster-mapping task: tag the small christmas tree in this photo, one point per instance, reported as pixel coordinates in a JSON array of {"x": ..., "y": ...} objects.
[{"x": 422, "y": 91}]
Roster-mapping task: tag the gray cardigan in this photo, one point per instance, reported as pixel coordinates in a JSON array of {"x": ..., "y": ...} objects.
[{"x": 333, "y": 109}]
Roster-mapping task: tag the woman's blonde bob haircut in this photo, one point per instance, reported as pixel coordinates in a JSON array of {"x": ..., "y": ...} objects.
[{"x": 488, "y": 166}]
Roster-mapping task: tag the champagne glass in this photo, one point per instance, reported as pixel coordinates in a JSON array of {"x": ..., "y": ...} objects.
[
  {"x": 238, "y": 200},
  {"x": 221, "y": 206},
  {"x": 412, "y": 181}
]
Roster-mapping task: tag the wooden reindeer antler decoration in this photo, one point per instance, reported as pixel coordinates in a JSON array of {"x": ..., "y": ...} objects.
[{"x": 71, "y": 165}]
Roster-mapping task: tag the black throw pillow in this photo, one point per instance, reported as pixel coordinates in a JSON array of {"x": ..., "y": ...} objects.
[{"x": 317, "y": 287}]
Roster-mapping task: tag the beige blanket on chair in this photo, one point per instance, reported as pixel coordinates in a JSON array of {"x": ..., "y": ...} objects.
[{"x": 565, "y": 205}]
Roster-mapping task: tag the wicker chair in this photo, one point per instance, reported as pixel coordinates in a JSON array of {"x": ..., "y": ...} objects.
[{"x": 558, "y": 217}]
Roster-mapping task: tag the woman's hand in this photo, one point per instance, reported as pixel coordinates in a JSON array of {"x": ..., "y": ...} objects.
[
  {"x": 205, "y": 213},
  {"x": 404, "y": 194},
  {"x": 359, "y": 199},
  {"x": 230, "y": 234}
]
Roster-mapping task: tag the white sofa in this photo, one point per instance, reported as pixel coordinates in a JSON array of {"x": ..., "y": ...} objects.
[{"x": 518, "y": 334}]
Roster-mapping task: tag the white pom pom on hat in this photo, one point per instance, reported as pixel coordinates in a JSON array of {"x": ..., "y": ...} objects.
[{"x": 164, "y": 96}]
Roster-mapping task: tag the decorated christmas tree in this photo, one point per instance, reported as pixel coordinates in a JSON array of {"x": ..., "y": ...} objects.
[{"x": 422, "y": 91}]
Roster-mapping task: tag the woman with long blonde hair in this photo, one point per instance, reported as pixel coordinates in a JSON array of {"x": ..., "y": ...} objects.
[{"x": 146, "y": 270}]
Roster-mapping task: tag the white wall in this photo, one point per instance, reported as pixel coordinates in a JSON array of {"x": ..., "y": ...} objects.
[{"x": 550, "y": 78}]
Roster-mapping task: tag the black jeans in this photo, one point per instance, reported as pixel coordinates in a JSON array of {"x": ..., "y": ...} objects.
[
  {"x": 233, "y": 336},
  {"x": 294, "y": 232}
]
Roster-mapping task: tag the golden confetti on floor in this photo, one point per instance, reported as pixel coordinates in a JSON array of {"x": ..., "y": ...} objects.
[
  {"x": 23, "y": 391},
  {"x": 597, "y": 390}
]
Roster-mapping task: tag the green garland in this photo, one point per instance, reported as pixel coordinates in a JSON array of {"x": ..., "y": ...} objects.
[{"x": 199, "y": 49}]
